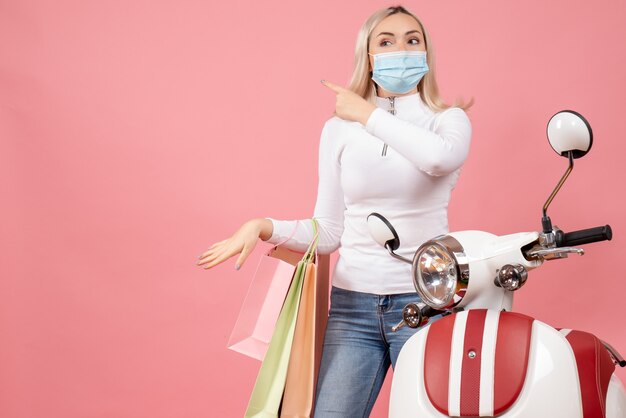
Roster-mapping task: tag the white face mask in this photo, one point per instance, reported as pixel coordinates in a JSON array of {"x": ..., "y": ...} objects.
[{"x": 399, "y": 71}]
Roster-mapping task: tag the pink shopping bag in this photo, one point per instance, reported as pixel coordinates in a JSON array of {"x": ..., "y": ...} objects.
[{"x": 263, "y": 303}]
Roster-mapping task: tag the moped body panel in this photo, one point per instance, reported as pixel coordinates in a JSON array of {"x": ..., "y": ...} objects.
[
  {"x": 481, "y": 375},
  {"x": 615, "y": 399}
]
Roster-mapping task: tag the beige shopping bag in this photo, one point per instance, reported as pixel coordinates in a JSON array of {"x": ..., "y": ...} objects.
[{"x": 306, "y": 349}]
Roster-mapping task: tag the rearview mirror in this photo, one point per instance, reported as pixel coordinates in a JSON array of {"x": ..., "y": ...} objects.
[
  {"x": 382, "y": 231},
  {"x": 569, "y": 131}
]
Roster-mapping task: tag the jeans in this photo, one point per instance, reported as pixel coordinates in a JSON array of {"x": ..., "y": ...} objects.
[{"x": 359, "y": 347}]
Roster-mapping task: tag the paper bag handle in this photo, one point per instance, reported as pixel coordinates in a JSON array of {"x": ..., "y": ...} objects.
[
  {"x": 290, "y": 236},
  {"x": 312, "y": 250}
]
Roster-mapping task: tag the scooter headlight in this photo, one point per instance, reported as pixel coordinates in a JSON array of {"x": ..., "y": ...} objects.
[{"x": 441, "y": 272}]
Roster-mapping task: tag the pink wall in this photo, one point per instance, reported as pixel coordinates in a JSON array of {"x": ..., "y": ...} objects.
[{"x": 135, "y": 134}]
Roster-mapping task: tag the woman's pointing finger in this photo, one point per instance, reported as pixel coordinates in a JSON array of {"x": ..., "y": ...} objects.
[{"x": 334, "y": 87}]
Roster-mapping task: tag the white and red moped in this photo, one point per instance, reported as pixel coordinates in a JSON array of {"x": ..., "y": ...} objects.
[{"x": 481, "y": 359}]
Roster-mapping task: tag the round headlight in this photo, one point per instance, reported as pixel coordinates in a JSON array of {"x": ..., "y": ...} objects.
[{"x": 440, "y": 272}]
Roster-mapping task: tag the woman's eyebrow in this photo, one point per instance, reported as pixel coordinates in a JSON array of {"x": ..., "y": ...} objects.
[{"x": 391, "y": 34}]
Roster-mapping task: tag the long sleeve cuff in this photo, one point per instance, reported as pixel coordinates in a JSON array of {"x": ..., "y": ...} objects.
[
  {"x": 329, "y": 234},
  {"x": 301, "y": 233}
]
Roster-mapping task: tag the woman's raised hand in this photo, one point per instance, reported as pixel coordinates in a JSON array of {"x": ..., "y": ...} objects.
[
  {"x": 242, "y": 242},
  {"x": 350, "y": 106}
]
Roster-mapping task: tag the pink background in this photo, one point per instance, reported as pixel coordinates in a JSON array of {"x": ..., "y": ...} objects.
[{"x": 134, "y": 134}]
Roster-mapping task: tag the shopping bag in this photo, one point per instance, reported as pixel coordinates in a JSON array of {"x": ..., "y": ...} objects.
[
  {"x": 261, "y": 307},
  {"x": 270, "y": 383},
  {"x": 306, "y": 349}
]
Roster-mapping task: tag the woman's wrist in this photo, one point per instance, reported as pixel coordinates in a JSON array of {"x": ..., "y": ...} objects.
[
  {"x": 365, "y": 114},
  {"x": 265, "y": 228}
]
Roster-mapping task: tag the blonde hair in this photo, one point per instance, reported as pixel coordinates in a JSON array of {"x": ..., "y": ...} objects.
[{"x": 362, "y": 83}]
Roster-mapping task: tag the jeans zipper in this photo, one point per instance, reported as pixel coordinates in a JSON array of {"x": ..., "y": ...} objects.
[{"x": 392, "y": 110}]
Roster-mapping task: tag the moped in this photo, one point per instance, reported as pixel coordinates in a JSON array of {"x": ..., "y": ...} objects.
[{"x": 481, "y": 359}]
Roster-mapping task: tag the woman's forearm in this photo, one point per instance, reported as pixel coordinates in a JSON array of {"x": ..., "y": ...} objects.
[{"x": 436, "y": 152}]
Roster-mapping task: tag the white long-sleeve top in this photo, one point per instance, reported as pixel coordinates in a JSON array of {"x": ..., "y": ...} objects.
[{"x": 410, "y": 186}]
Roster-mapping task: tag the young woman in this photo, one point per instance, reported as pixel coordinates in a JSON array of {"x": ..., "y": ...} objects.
[{"x": 393, "y": 147}]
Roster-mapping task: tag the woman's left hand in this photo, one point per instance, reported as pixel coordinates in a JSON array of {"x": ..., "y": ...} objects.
[{"x": 350, "y": 106}]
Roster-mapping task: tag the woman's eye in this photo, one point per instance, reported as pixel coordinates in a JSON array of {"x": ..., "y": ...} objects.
[
  {"x": 417, "y": 41},
  {"x": 385, "y": 43}
]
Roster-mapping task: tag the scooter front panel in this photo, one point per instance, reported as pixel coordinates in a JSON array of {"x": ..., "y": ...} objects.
[
  {"x": 550, "y": 387},
  {"x": 475, "y": 361}
]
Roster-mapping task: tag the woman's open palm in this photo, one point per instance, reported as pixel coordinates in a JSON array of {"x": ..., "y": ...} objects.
[{"x": 242, "y": 242}]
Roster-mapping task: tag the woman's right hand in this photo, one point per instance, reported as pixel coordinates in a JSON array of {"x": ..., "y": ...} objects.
[{"x": 242, "y": 242}]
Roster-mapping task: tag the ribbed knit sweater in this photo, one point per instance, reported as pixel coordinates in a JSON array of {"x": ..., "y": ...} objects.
[{"x": 409, "y": 183}]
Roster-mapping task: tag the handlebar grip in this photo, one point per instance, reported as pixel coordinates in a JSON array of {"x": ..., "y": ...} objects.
[
  {"x": 584, "y": 236},
  {"x": 429, "y": 312}
]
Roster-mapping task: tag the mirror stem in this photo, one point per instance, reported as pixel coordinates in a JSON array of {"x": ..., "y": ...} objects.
[
  {"x": 394, "y": 255},
  {"x": 545, "y": 220}
]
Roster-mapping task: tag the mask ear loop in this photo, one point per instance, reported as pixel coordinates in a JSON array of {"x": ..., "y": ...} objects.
[{"x": 371, "y": 73}]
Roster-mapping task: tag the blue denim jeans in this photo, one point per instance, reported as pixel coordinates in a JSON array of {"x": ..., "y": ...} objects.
[{"x": 359, "y": 347}]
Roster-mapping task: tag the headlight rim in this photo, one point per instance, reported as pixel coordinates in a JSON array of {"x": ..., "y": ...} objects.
[{"x": 456, "y": 251}]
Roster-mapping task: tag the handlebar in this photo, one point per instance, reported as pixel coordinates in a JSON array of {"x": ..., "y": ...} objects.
[
  {"x": 584, "y": 236},
  {"x": 429, "y": 312}
]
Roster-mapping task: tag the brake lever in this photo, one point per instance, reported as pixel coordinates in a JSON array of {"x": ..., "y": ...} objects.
[{"x": 553, "y": 253}]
